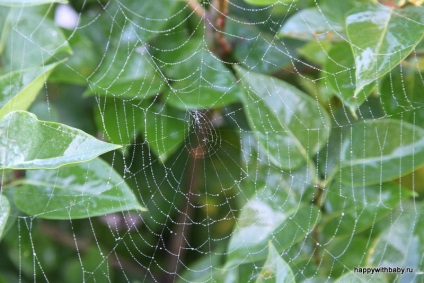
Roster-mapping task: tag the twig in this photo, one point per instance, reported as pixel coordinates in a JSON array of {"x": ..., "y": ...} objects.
[
  {"x": 182, "y": 230},
  {"x": 197, "y": 8},
  {"x": 319, "y": 202},
  {"x": 223, "y": 45}
]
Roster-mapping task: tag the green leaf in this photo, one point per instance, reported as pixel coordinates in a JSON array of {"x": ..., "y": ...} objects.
[
  {"x": 80, "y": 191},
  {"x": 22, "y": 3},
  {"x": 288, "y": 124},
  {"x": 376, "y": 151},
  {"x": 28, "y": 45},
  {"x": 402, "y": 243},
  {"x": 354, "y": 209},
  {"x": 259, "y": 50},
  {"x": 275, "y": 268},
  {"x": 315, "y": 51},
  {"x": 4, "y": 213},
  {"x": 260, "y": 172},
  {"x": 92, "y": 266},
  {"x": 136, "y": 22},
  {"x": 402, "y": 95},
  {"x": 199, "y": 79},
  {"x": 355, "y": 277},
  {"x": 81, "y": 64},
  {"x": 126, "y": 73},
  {"x": 341, "y": 255},
  {"x": 119, "y": 120},
  {"x": 19, "y": 89},
  {"x": 339, "y": 71},
  {"x": 271, "y": 215},
  {"x": 164, "y": 128},
  {"x": 381, "y": 37},
  {"x": 311, "y": 24},
  {"x": 27, "y": 143}
]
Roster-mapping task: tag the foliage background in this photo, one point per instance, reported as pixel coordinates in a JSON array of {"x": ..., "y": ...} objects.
[{"x": 276, "y": 141}]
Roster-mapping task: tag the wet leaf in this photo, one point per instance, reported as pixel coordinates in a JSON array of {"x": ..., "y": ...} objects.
[
  {"x": 376, "y": 151},
  {"x": 27, "y": 143},
  {"x": 340, "y": 74},
  {"x": 271, "y": 215},
  {"x": 288, "y": 124},
  {"x": 311, "y": 24},
  {"x": 401, "y": 245},
  {"x": 19, "y": 89},
  {"x": 381, "y": 37},
  {"x": 351, "y": 208},
  {"x": 80, "y": 191}
]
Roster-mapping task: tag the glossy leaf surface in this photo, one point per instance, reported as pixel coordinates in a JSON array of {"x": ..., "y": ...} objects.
[
  {"x": 289, "y": 125},
  {"x": 260, "y": 172},
  {"x": 351, "y": 208},
  {"x": 272, "y": 215},
  {"x": 19, "y": 89},
  {"x": 340, "y": 74},
  {"x": 27, "y": 143},
  {"x": 381, "y": 37},
  {"x": 402, "y": 244},
  {"x": 79, "y": 191},
  {"x": 4, "y": 213},
  {"x": 311, "y": 24},
  {"x": 275, "y": 269},
  {"x": 376, "y": 151}
]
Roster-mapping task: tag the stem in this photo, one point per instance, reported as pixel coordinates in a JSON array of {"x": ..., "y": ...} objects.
[
  {"x": 197, "y": 8},
  {"x": 182, "y": 230},
  {"x": 14, "y": 179},
  {"x": 224, "y": 47},
  {"x": 318, "y": 201}
]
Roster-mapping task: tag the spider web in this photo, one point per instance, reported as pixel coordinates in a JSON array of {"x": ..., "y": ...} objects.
[{"x": 158, "y": 80}]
